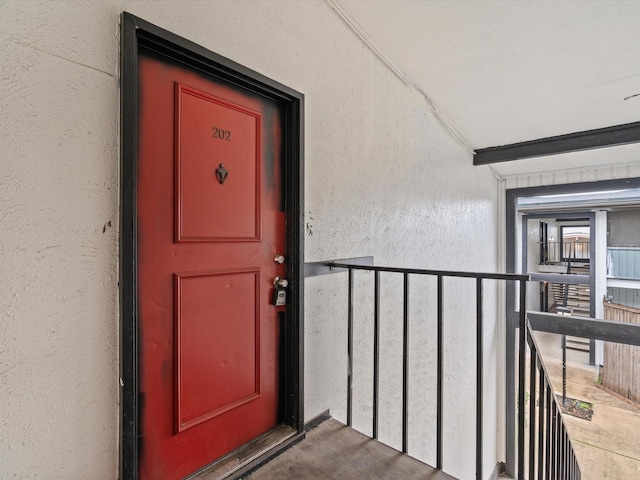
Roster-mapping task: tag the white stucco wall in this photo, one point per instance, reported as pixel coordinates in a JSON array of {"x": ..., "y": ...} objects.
[{"x": 383, "y": 178}]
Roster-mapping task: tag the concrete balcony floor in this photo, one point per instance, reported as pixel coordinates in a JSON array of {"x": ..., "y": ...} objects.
[{"x": 334, "y": 451}]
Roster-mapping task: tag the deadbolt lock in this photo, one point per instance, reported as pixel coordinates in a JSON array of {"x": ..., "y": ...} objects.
[{"x": 280, "y": 282}]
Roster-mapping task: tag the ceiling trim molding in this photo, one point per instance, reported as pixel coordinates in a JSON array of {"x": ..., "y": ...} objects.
[{"x": 572, "y": 142}]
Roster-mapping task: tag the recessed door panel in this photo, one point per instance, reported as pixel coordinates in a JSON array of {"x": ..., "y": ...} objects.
[
  {"x": 217, "y": 163},
  {"x": 217, "y": 333}
]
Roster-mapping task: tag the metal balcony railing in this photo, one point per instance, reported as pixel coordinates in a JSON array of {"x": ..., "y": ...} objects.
[
  {"x": 538, "y": 448},
  {"x": 406, "y": 274},
  {"x": 557, "y": 253},
  {"x": 550, "y": 454}
]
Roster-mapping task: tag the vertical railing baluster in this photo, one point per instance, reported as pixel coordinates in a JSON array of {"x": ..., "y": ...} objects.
[
  {"x": 479, "y": 368},
  {"x": 561, "y": 446},
  {"x": 547, "y": 434},
  {"x": 558, "y": 459},
  {"x": 565, "y": 455},
  {"x": 350, "y": 350},
  {"x": 541, "y": 407},
  {"x": 554, "y": 453},
  {"x": 521, "y": 372},
  {"x": 440, "y": 367},
  {"x": 558, "y": 445},
  {"x": 570, "y": 461},
  {"x": 569, "y": 451},
  {"x": 532, "y": 409},
  {"x": 563, "y": 449},
  {"x": 376, "y": 353},
  {"x": 572, "y": 471},
  {"x": 405, "y": 366}
]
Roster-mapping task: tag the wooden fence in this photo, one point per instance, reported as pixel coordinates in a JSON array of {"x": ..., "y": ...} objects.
[{"x": 621, "y": 371}]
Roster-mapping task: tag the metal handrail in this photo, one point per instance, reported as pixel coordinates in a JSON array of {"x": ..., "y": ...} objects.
[
  {"x": 584, "y": 327},
  {"x": 422, "y": 271}
]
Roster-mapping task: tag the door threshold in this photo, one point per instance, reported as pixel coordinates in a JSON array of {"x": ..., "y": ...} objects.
[{"x": 249, "y": 456}]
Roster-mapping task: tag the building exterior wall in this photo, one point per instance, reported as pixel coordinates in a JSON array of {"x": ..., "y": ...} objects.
[
  {"x": 383, "y": 178},
  {"x": 624, "y": 263},
  {"x": 624, "y": 228}
]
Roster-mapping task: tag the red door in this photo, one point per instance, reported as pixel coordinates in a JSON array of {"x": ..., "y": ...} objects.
[{"x": 210, "y": 223}]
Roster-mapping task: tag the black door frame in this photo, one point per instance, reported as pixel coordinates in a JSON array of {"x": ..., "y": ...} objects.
[{"x": 137, "y": 34}]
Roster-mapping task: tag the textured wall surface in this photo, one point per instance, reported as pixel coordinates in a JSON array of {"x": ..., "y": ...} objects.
[
  {"x": 383, "y": 178},
  {"x": 58, "y": 240}
]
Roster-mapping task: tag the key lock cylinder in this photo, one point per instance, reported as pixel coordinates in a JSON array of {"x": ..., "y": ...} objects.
[{"x": 279, "y": 285}]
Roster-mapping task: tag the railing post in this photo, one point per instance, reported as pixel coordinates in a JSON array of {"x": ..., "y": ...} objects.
[
  {"x": 547, "y": 434},
  {"x": 532, "y": 409},
  {"x": 521, "y": 373},
  {"x": 541, "y": 407},
  {"x": 511, "y": 391},
  {"x": 440, "y": 366},
  {"x": 479, "y": 371},
  {"x": 405, "y": 366},
  {"x": 350, "y": 350},
  {"x": 563, "y": 443},
  {"x": 376, "y": 353},
  {"x": 554, "y": 443}
]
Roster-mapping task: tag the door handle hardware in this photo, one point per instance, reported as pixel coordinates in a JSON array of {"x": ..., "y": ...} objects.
[{"x": 280, "y": 282}]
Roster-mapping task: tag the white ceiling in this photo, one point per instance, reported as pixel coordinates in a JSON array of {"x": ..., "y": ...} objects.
[{"x": 502, "y": 72}]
